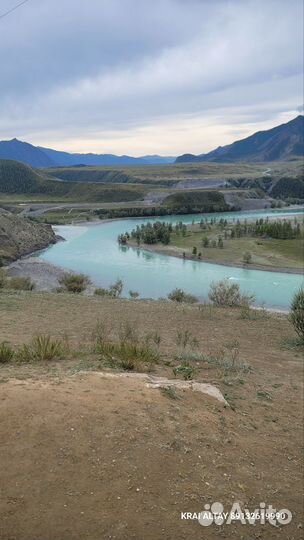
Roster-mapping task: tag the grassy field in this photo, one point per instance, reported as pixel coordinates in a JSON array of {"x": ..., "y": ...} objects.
[
  {"x": 166, "y": 175},
  {"x": 266, "y": 252},
  {"x": 98, "y": 447}
]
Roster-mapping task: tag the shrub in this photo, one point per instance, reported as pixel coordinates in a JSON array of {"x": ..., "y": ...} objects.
[
  {"x": 116, "y": 288},
  {"x": 20, "y": 284},
  {"x": 169, "y": 392},
  {"x": 227, "y": 363},
  {"x": 6, "y": 353},
  {"x": 297, "y": 313},
  {"x": 128, "y": 353},
  {"x": 101, "y": 291},
  {"x": 153, "y": 337},
  {"x": 41, "y": 348},
  {"x": 223, "y": 293},
  {"x": 184, "y": 369},
  {"x": 247, "y": 257},
  {"x": 75, "y": 283},
  {"x": 133, "y": 294},
  {"x": 184, "y": 338},
  {"x": 178, "y": 295},
  {"x": 189, "y": 356},
  {"x": 114, "y": 291}
]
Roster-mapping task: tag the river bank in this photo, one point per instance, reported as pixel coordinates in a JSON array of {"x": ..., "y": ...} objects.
[{"x": 176, "y": 252}]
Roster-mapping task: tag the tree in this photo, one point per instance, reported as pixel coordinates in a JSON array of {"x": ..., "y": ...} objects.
[
  {"x": 194, "y": 250},
  {"x": 220, "y": 242},
  {"x": 205, "y": 242},
  {"x": 297, "y": 313}
]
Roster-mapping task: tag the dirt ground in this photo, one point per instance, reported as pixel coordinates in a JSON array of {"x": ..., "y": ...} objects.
[{"x": 88, "y": 457}]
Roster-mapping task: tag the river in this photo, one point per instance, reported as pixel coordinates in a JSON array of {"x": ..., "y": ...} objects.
[{"x": 94, "y": 250}]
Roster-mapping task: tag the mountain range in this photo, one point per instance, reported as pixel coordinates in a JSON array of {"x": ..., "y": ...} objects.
[
  {"x": 279, "y": 143},
  {"x": 37, "y": 156}
]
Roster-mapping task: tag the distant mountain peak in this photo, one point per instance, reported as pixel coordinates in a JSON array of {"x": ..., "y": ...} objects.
[{"x": 278, "y": 143}]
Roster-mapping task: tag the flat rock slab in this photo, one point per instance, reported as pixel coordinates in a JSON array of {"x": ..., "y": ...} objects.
[{"x": 161, "y": 382}]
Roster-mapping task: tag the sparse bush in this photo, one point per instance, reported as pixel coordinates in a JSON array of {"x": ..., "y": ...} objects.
[
  {"x": 247, "y": 257},
  {"x": 114, "y": 290},
  {"x": 20, "y": 284},
  {"x": 169, "y": 392},
  {"x": 41, "y": 348},
  {"x": 75, "y": 283},
  {"x": 128, "y": 354},
  {"x": 185, "y": 338},
  {"x": 133, "y": 294},
  {"x": 178, "y": 295},
  {"x": 184, "y": 369},
  {"x": 6, "y": 352},
  {"x": 189, "y": 356},
  {"x": 153, "y": 337},
  {"x": 128, "y": 333},
  {"x": 101, "y": 291},
  {"x": 297, "y": 313},
  {"x": 223, "y": 293}
]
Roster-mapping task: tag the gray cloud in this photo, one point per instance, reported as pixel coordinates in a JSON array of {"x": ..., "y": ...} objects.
[{"x": 76, "y": 71}]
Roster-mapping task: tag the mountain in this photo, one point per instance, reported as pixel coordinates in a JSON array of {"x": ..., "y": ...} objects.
[
  {"x": 24, "y": 152},
  {"x": 66, "y": 159},
  {"x": 37, "y": 156},
  {"x": 279, "y": 143}
]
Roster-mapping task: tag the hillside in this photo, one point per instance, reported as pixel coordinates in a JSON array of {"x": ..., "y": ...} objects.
[
  {"x": 17, "y": 178},
  {"x": 20, "y": 236},
  {"x": 279, "y": 143},
  {"x": 203, "y": 201},
  {"x": 90, "y": 174}
]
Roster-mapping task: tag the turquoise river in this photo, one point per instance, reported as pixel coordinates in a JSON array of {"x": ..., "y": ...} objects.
[{"x": 94, "y": 250}]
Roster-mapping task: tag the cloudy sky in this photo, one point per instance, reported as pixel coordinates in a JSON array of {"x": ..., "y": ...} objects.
[{"x": 142, "y": 76}]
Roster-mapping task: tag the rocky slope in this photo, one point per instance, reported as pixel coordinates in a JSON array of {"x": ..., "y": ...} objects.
[{"x": 20, "y": 236}]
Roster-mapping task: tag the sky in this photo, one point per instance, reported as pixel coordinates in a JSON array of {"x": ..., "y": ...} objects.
[{"x": 144, "y": 77}]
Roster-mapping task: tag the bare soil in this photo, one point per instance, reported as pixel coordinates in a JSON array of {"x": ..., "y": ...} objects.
[{"x": 88, "y": 457}]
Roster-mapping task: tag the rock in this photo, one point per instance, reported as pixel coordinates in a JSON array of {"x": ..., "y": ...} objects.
[{"x": 20, "y": 236}]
